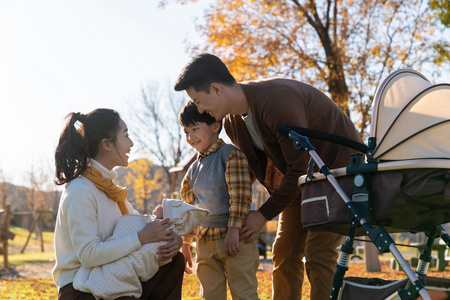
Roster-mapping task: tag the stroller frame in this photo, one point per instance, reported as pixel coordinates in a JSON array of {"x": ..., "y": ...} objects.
[
  {"x": 359, "y": 204},
  {"x": 378, "y": 235}
]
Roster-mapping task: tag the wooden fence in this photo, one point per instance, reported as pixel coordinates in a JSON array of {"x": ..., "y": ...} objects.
[{"x": 5, "y": 234}]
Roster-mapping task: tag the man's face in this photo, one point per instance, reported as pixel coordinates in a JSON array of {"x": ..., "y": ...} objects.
[{"x": 210, "y": 103}]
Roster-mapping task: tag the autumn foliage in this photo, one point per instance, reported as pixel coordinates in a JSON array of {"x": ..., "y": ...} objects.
[
  {"x": 343, "y": 47},
  {"x": 145, "y": 182}
]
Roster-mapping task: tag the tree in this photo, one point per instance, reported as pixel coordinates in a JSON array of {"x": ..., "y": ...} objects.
[
  {"x": 36, "y": 199},
  {"x": 145, "y": 186},
  {"x": 442, "y": 48},
  {"x": 4, "y": 189},
  {"x": 343, "y": 47},
  {"x": 443, "y": 9},
  {"x": 158, "y": 134}
]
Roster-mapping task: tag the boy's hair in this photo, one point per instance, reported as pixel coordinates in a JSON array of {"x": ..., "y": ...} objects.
[
  {"x": 189, "y": 116},
  {"x": 203, "y": 70}
]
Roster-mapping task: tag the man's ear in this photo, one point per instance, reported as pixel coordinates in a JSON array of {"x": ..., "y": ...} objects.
[{"x": 215, "y": 88}]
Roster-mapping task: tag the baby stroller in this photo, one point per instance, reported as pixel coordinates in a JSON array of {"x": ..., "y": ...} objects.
[{"x": 399, "y": 182}]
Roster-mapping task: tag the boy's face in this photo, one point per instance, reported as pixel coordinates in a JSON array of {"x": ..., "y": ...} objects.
[
  {"x": 212, "y": 103},
  {"x": 201, "y": 135}
]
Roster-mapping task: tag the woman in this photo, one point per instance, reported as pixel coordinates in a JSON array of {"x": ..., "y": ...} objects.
[{"x": 90, "y": 146}]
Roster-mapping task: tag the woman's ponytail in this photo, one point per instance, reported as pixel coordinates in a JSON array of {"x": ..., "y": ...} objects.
[
  {"x": 72, "y": 152},
  {"x": 80, "y": 140}
]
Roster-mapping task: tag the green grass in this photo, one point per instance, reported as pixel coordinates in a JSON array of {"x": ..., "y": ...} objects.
[
  {"x": 32, "y": 253},
  {"x": 22, "y": 235},
  {"x": 28, "y": 288},
  {"x": 18, "y": 259}
]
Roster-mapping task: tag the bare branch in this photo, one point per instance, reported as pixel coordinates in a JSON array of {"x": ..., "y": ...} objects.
[{"x": 158, "y": 134}]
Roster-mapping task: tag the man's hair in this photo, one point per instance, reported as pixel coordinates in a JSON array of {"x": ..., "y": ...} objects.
[
  {"x": 189, "y": 116},
  {"x": 203, "y": 70}
]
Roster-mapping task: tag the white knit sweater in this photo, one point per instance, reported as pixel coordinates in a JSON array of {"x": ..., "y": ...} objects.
[
  {"x": 86, "y": 218},
  {"x": 123, "y": 277}
]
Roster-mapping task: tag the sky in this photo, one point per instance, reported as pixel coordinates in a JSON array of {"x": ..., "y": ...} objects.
[{"x": 58, "y": 57}]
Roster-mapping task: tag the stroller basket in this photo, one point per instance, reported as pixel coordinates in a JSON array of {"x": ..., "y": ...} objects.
[
  {"x": 413, "y": 200},
  {"x": 402, "y": 184},
  {"x": 375, "y": 288}
]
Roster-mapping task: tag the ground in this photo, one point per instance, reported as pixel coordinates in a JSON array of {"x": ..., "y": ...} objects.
[
  {"x": 35, "y": 270},
  {"x": 44, "y": 269}
]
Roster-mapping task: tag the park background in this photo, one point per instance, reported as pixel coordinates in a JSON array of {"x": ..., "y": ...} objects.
[{"x": 58, "y": 57}]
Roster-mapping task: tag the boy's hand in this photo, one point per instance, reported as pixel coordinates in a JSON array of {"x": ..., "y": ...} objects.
[
  {"x": 232, "y": 241},
  {"x": 186, "y": 250}
]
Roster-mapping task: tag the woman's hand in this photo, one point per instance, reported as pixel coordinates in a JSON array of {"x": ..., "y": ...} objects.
[
  {"x": 156, "y": 231},
  {"x": 170, "y": 249}
]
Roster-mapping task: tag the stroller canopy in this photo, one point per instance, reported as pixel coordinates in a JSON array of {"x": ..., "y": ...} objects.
[{"x": 411, "y": 118}]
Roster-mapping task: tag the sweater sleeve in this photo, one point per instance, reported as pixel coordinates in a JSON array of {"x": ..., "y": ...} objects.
[
  {"x": 291, "y": 108},
  {"x": 290, "y": 162},
  {"x": 82, "y": 213},
  {"x": 287, "y": 191},
  {"x": 274, "y": 102},
  {"x": 299, "y": 105}
]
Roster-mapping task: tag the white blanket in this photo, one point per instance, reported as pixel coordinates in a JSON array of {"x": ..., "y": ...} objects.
[{"x": 123, "y": 277}]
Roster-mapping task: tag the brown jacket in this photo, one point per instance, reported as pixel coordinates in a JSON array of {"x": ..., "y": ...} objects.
[{"x": 274, "y": 102}]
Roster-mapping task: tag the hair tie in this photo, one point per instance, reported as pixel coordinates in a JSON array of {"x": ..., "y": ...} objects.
[{"x": 80, "y": 117}]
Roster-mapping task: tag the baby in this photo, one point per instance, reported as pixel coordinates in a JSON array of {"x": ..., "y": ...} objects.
[{"x": 123, "y": 277}]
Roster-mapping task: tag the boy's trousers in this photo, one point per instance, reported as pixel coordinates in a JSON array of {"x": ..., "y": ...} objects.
[
  {"x": 293, "y": 242},
  {"x": 215, "y": 268}
]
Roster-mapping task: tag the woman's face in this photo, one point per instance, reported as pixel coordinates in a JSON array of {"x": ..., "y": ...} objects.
[{"x": 122, "y": 146}]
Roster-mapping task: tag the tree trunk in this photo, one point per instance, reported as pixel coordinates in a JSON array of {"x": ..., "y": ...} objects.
[{"x": 371, "y": 257}]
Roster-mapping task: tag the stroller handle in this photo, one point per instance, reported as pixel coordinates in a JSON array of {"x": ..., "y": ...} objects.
[{"x": 324, "y": 136}]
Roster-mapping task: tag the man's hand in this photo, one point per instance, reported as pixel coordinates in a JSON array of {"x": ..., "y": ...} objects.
[
  {"x": 232, "y": 241},
  {"x": 253, "y": 223}
]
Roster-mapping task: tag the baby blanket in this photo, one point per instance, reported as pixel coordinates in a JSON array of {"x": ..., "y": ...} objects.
[{"x": 123, "y": 277}]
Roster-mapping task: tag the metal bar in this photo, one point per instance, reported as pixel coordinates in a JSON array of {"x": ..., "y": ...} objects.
[{"x": 393, "y": 249}]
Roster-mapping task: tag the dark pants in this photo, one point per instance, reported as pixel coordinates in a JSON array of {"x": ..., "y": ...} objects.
[{"x": 165, "y": 284}]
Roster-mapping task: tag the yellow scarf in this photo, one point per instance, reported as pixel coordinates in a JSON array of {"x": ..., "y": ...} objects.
[{"x": 114, "y": 191}]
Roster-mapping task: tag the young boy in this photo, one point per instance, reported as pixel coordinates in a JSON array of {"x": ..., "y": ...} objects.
[{"x": 219, "y": 181}]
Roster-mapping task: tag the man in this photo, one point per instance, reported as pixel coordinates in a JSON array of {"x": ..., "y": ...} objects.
[{"x": 252, "y": 112}]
